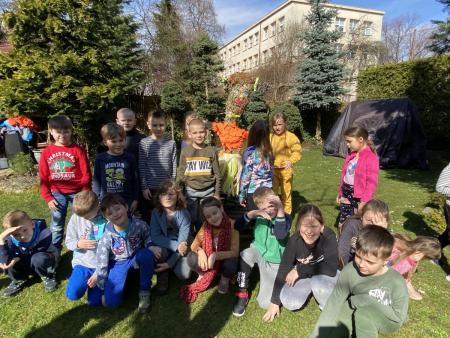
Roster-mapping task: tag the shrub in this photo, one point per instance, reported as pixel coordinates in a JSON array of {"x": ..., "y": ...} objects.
[
  {"x": 294, "y": 119},
  {"x": 425, "y": 82},
  {"x": 22, "y": 164}
]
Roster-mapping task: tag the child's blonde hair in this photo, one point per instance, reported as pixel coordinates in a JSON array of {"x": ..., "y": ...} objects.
[
  {"x": 197, "y": 122},
  {"x": 428, "y": 246},
  {"x": 14, "y": 218},
  {"x": 111, "y": 131},
  {"x": 261, "y": 193},
  {"x": 277, "y": 116},
  {"x": 164, "y": 188},
  {"x": 377, "y": 207},
  {"x": 84, "y": 202}
]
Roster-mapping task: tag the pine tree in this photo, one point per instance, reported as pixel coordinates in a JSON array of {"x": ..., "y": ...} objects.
[
  {"x": 77, "y": 58},
  {"x": 441, "y": 37},
  {"x": 320, "y": 74},
  {"x": 256, "y": 108}
]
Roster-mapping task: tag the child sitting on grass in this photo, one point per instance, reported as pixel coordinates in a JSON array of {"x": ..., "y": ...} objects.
[
  {"x": 407, "y": 254},
  {"x": 369, "y": 297},
  {"x": 215, "y": 250},
  {"x": 124, "y": 246},
  {"x": 85, "y": 228},
  {"x": 26, "y": 249}
]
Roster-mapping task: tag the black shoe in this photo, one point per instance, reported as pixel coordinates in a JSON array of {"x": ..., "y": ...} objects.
[
  {"x": 50, "y": 284},
  {"x": 13, "y": 288},
  {"x": 162, "y": 283},
  {"x": 241, "y": 304}
]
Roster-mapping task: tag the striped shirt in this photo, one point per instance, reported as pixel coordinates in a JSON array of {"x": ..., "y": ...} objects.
[
  {"x": 443, "y": 183},
  {"x": 157, "y": 162}
]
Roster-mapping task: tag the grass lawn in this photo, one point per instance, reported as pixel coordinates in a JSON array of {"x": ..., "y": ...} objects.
[{"x": 35, "y": 314}]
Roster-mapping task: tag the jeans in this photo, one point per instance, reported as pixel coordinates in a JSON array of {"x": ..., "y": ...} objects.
[
  {"x": 180, "y": 269},
  {"x": 41, "y": 264},
  {"x": 58, "y": 217},
  {"x": 228, "y": 268},
  {"x": 194, "y": 198},
  {"x": 77, "y": 286}
]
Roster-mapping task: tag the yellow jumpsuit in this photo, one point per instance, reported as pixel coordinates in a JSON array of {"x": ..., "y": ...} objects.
[{"x": 285, "y": 147}]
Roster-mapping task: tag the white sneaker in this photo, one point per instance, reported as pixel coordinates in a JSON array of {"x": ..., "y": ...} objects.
[
  {"x": 447, "y": 278},
  {"x": 435, "y": 262}
]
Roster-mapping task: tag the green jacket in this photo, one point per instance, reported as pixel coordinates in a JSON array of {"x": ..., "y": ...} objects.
[{"x": 271, "y": 237}]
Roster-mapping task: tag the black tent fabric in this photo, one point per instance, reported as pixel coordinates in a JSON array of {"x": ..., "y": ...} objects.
[{"x": 394, "y": 128}]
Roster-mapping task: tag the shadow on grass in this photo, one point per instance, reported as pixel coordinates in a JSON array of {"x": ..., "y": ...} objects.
[
  {"x": 415, "y": 223},
  {"x": 297, "y": 202}
]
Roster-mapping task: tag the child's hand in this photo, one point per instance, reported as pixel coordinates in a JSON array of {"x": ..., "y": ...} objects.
[
  {"x": 53, "y": 205},
  {"x": 92, "y": 281},
  {"x": 6, "y": 266},
  {"x": 353, "y": 243},
  {"x": 162, "y": 267},
  {"x": 338, "y": 199},
  {"x": 147, "y": 194},
  {"x": 272, "y": 311},
  {"x": 261, "y": 213},
  {"x": 8, "y": 232},
  {"x": 243, "y": 204},
  {"x": 84, "y": 243},
  {"x": 211, "y": 260},
  {"x": 156, "y": 251},
  {"x": 360, "y": 207},
  {"x": 217, "y": 196},
  {"x": 275, "y": 201},
  {"x": 182, "y": 248},
  {"x": 202, "y": 260},
  {"x": 287, "y": 164},
  {"x": 291, "y": 277},
  {"x": 133, "y": 206}
]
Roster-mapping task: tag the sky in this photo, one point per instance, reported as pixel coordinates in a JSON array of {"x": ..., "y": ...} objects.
[{"x": 237, "y": 15}]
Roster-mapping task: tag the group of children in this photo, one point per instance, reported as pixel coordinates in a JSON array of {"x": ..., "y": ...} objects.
[{"x": 184, "y": 228}]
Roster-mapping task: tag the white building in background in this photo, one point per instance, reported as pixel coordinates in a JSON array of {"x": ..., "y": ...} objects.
[{"x": 255, "y": 45}]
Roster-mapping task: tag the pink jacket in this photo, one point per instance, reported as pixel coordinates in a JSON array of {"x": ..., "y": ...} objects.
[{"x": 366, "y": 174}]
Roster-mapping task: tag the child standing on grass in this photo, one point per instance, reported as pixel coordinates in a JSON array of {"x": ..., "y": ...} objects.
[
  {"x": 169, "y": 228},
  {"x": 374, "y": 212},
  {"x": 271, "y": 233},
  {"x": 26, "y": 249},
  {"x": 215, "y": 250},
  {"x": 157, "y": 159},
  {"x": 286, "y": 150},
  {"x": 198, "y": 170},
  {"x": 443, "y": 187},
  {"x": 115, "y": 169},
  {"x": 369, "y": 297},
  {"x": 84, "y": 230},
  {"x": 407, "y": 254},
  {"x": 309, "y": 264},
  {"x": 257, "y": 164},
  {"x": 359, "y": 177},
  {"x": 125, "y": 245},
  {"x": 63, "y": 171}
]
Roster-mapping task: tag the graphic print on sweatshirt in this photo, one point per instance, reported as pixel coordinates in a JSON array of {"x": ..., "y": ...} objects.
[
  {"x": 115, "y": 177},
  {"x": 198, "y": 166},
  {"x": 310, "y": 260},
  {"x": 60, "y": 165},
  {"x": 382, "y": 295}
]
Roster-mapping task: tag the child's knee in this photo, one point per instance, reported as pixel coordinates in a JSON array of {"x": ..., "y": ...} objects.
[{"x": 144, "y": 256}]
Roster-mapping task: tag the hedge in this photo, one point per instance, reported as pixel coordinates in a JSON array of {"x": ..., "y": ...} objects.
[{"x": 425, "y": 81}]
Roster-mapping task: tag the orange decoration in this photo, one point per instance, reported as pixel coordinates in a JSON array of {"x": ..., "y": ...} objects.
[
  {"x": 231, "y": 136},
  {"x": 22, "y": 121}
]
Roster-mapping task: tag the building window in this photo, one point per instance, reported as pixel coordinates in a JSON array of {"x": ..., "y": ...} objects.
[
  {"x": 244, "y": 64},
  {"x": 273, "y": 28},
  {"x": 266, "y": 33},
  {"x": 245, "y": 44},
  {"x": 281, "y": 24},
  {"x": 238, "y": 48},
  {"x": 256, "y": 39},
  {"x": 265, "y": 58},
  {"x": 272, "y": 51},
  {"x": 250, "y": 42},
  {"x": 339, "y": 24},
  {"x": 250, "y": 61},
  {"x": 353, "y": 25},
  {"x": 367, "y": 28},
  {"x": 238, "y": 66},
  {"x": 256, "y": 60}
]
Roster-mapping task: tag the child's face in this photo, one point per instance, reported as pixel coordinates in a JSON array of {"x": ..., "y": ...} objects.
[
  {"x": 279, "y": 126},
  {"x": 168, "y": 199},
  {"x": 213, "y": 215},
  {"x": 24, "y": 232},
  {"x": 375, "y": 218},
  {"x": 268, "y": 206},
  {"x": 117, "y": 214},
  {"x": 369, "y": 264},
  {"x": 355, "y": 143},
  {"x": 62, "y": 137},
  {"x": 197, "y": 134},
  {"x": 157, "y": 126},
  {"x": 310, "y": 229},
  {"x": 115, "y": 145},
  {"x": 127, "y": 121}
]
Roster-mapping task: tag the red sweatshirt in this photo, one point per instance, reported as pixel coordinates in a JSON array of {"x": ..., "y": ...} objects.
[{"x": 63, "y": 169}]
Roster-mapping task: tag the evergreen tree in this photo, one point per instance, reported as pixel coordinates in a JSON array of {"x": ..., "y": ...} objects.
[
  {"x": 174, "y": 103},
  {"x": 201, "y": 78},
  {"x": 320, "y": 74},
  {"x": 256, "y": 108},
  {"x": 77, "y": 58},
  {"x": 441, "y": 37}
]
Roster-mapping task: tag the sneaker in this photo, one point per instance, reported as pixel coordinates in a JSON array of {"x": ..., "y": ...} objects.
[
  {"x": 448, "y": 277},
  {"x": 241, "y": 303},
  {"x": 162, "y": 283},
  {"x": 435, "y": 262},
  {"x": 50, "y": 284},
  {"x": 13, "y": 288},
  {"x": 224, "y": 285},
  {"x": 144, "y": 301}
]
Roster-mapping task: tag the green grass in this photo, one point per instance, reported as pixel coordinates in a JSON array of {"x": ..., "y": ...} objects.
[{"x": 36, "y": 314}]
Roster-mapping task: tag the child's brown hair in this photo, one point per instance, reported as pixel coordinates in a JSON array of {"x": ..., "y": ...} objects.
[
  {"x": 428, "y": 246},
  {"x": 376, "y": 241},
  {"x": 111, "y": 131},
  {"x": 310, "y": 210},
  {"x": 377, "y": 207},
  {"x": 258, "y": 136},
  {"x": 261, "y": 193},
  {"x": 111, "y": 199},
  {"x": 357, "y": 132},
  {"x": 84, "y": 202},
  {"x": 210, "y": 202},
  {"x": 164, "y": 188},
  {"x": 156, "y": 114},
  {"x": 14, "y": 218},
  {"x": 277, "y": 116},
  {"x": 60, "y": 122}
]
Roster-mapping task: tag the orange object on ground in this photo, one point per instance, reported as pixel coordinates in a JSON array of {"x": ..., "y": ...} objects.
[
  {"x": 22, "y": 121},
  {"x": 231, "y": 136}
]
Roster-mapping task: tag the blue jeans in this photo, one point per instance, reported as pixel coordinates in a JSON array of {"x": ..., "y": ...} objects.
[
  {"x": 118, "y": 271},
  {"x": 77, "y": 286},
  {"x": 58, "y": 217}
]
